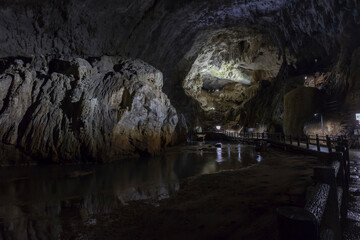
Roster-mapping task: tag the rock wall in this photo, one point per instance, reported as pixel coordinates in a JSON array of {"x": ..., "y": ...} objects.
[
  {"x": 90, "y": 27},
  {"x": 170, "y": 35},
  {"x": 299, "y": 106},
  {"x": 230, "y": 70},
  {"x": 97, "y": 110},
  {"x": 159, "y": 31}
]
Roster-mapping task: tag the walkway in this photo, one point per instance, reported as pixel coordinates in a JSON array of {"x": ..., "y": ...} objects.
[
  {"x": 310, "y": 144},
  {"x": 351, "y": 225},
  {"x": 352, "y": 228},
  {"x": 311, "y": 147}
]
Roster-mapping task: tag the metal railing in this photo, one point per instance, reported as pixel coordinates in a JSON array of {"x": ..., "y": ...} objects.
[
  {"x": 326, "y": 208},
  {"x": 307, "y": 141}
]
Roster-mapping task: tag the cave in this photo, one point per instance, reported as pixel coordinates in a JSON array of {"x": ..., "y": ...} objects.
[{"x": 162, "y": 119}]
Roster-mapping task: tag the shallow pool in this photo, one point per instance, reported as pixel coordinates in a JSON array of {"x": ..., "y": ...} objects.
[{"x": 40, "y": 202}]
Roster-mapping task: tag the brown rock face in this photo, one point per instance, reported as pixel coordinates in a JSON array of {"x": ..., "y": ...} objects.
[
  {"x": 81, "y": 111},
  {"x": 299, "y": 106}
]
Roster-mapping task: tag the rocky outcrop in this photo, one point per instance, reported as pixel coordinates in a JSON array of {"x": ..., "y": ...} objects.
[
  {"x": 230, "y": 69},
  {"x": 97, "y": 110},
  {"x": 173, "y": 36},
  {"x": 299, "y": 106}
]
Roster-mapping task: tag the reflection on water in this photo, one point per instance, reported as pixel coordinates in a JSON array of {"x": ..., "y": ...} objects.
[
  {"x": 43, "y": 202},
  {"x": 219, "y": 158}
]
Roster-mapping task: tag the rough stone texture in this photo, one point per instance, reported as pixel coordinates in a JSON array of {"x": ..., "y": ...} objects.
[
  {"x": 162, "y": 31},
  {"x": 233, "y": 67},
  {"x": 144, "y": 27},
  {"x": 79, "y": 111},
  {"x": 229, "y": 67},
  {"x": 171, "y": 35},
  {"x": 299, "y": 106}
]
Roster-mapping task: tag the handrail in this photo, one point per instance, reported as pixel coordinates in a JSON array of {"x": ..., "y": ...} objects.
[
  {"x": 305, "y": 141},
  {"x": 325, "y": 209},
  {"x": 322, "y": 215}
]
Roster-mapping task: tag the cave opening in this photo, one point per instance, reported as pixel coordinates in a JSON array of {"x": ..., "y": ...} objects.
[{"x": 158, "y": 119}]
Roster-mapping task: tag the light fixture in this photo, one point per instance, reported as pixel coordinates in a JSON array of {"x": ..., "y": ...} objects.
[
  {"x": 306, "y": 77},
  {"x": 218, "y": 128}
]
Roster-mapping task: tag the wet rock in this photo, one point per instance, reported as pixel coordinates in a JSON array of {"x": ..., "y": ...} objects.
[{"x": 101, "y": 110}]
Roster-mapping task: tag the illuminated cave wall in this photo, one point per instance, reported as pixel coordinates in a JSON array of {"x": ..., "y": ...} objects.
[{"x": 255, "y": 51}]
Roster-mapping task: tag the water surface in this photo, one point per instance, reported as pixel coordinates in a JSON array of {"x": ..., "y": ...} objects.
[{"x": 43, "y": 201}]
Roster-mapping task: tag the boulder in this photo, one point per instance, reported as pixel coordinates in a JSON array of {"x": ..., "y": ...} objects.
[{"x": 77, "y": 111}]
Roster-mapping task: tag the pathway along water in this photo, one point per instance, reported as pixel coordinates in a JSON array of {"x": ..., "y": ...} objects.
[{"x": 40, "y": 202}]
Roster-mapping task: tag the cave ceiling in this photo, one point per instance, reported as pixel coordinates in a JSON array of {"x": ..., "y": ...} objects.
[{"x": 158, "y": 31}]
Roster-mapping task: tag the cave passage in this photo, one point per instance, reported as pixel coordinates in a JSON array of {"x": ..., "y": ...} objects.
[{"x": 162, "y": 119}]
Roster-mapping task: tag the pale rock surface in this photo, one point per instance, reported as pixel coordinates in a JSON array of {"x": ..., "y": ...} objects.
[
  {"x": 80, "y": 111},
  {"x": 163, "y": 32},
  {"x": 229, "y": 70}
]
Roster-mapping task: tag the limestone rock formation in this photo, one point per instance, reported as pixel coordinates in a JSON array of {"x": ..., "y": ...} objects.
[
  {"x": 300, "y": 105},
  {"x": 97, "y": 110},
  {"x": 229, "y": 70},
  {"x": 174, "y": 37}
]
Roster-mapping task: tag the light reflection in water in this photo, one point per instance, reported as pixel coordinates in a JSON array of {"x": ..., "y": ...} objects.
[
  {"x": 29, "y": 192},
  {"x": 219, "y": 155}
]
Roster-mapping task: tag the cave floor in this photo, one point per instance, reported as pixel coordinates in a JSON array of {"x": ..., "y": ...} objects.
[{"x": 233, "y": 204}]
